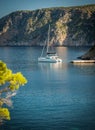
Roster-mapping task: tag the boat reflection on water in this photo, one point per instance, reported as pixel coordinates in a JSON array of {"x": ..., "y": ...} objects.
[
  {"x": 52, "y": 66},
  {"x": 57, "y": 71}
]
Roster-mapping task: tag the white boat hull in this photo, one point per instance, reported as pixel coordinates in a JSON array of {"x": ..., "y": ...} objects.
[{"x": 49, "y": 59}]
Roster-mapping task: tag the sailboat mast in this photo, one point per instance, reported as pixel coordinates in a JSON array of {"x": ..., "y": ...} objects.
[
  {"x": 48, "y": 38},
  {"x": 43, "y": 49}
]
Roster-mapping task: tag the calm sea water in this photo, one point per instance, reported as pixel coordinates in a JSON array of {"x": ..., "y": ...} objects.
[{"x": 58, "y": 96}]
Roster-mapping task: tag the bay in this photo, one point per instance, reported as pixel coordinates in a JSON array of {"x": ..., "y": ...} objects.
[{"x": 58, "y": 96}]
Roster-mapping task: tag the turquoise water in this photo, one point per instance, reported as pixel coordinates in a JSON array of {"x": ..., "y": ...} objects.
[{"x": 58, "y": 96}]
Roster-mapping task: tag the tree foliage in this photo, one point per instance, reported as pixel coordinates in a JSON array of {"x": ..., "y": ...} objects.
[{"x": 9, "y": 84}]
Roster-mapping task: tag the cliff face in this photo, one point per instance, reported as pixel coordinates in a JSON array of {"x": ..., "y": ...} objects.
[{"x": 71, "y": 26}]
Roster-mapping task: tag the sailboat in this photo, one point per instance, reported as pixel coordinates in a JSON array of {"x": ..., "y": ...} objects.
[{"x": 50, "y": 57}]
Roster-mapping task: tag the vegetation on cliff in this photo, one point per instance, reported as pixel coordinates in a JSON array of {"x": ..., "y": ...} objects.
[{"x": 70, "y": 26}]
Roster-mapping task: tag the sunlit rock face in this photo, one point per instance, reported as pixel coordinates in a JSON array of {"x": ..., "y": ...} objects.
[{"x": 72, "y": 26}]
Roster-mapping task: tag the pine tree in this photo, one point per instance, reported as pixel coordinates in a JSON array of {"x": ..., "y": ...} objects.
[{"x": 9, "y": 84}]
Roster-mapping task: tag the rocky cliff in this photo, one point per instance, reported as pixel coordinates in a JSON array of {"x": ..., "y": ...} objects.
[
  {"x": 90, "y": 55},
  {"x": 72, "y": 26}
]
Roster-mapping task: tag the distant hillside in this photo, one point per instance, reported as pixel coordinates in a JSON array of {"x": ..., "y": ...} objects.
[{"x": 72, "y": 26}]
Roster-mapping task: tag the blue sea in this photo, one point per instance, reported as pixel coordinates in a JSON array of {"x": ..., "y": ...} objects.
[{"x": 58, "y": 96}]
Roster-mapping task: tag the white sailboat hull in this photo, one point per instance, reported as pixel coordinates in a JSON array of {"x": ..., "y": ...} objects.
[{"x": 50, "y": 59}]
